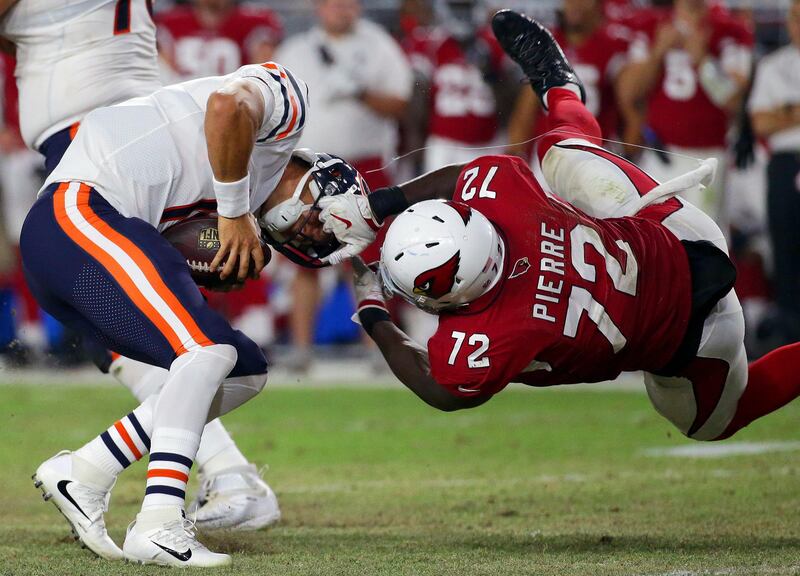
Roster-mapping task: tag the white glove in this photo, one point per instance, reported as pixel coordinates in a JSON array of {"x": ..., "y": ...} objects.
[
  {"x": 350, "y": 219},
  {"x": 368, "y": 289}
]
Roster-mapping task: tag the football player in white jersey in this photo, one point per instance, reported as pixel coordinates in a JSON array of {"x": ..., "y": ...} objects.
[
  {"x": 73, "y": 57},
  {"x": 95, "y": 259}
]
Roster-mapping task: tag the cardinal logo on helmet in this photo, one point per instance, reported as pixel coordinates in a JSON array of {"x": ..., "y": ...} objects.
[
  {"x": 438, "y": 281},
  {"x": 463, "y": 210}
]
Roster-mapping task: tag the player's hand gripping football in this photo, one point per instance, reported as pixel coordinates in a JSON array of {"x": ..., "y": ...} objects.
[
  {"x": 349, "y": 218},
  {"x": 368, "y": 288},
  {"x": 240, "y": 242}
]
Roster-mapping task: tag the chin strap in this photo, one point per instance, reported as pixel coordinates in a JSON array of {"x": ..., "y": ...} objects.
[{"x": 280, "y": 218}]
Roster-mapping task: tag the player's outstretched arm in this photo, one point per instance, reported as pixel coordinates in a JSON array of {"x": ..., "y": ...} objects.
[
  {"x": 440, "y": 183},
  {"x": 234, "y": 114},
  {"x": 407, "y": 359},
  {"x": 409, "y": 362}
]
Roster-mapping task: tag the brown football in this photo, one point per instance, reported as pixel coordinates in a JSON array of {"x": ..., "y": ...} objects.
[{"x": 197, "y": 239}]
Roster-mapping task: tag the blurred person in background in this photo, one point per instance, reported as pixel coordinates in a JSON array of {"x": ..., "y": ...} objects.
[
  {"x": 775, "y": 112},
  {"x": 691, "y": 67},
  {"x": 20, "y": 179},
  {"x": 415, "y": 23},
  {"x": 360, "y": 82},
  {"x": 467, "y": 78},
  {"x": 622, "y": 10},
  {"x": 598, "y": 51},
  {"x": 211, "y": 37},
  {"x": 26, "y": 332}
]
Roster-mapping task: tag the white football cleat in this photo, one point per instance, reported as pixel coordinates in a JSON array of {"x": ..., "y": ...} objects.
[
  {"x": 235, "y": 499},
  {"x": 164, "y": 537},
  {"x": 83, "y": 505}
]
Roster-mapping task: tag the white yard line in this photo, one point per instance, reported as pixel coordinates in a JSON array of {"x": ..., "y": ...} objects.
[
  {"x": 394, "y": 483},
  {"x": 723, "y": 450}
]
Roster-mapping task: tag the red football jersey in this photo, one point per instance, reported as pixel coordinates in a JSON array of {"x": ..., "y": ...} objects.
[
  {"x": 195, "y": 51},
  {"x": 619, "y": 10},
  {"x": 679, "y": 110},
  {"x": 462, "y": 104},
  {"x": 9, "y": 92},
  {"x": 581, "y": 299}
]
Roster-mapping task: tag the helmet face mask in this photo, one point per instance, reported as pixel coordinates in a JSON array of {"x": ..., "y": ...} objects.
[
  {"x": 327, "y": 175},
  {"x": 441, "y": 255}
]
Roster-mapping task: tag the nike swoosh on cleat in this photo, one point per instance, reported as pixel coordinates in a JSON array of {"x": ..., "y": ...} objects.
[
  {"x": 182, "y": 556},
  {"x": 347, "y": 222},
  {"x": 62, "y": 487}
]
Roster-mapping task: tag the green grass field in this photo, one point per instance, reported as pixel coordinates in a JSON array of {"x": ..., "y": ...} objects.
[{"x": 373, "y": 482}]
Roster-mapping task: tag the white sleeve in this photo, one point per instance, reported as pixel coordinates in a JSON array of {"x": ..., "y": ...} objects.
[
  {"x": 736, "y": 58},
  {"x": 285, "y": 98},
  {"x": 589, "y": 181},
  {"x": 639, "y": 49},
  {"x": 763, "y": 95},
  {"x": 395, "y": 77}
]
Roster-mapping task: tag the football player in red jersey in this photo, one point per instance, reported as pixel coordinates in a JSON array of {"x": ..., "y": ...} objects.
[
  {"x": 597, "y": 50},
  {"x": 691, "y": 66},
  {"x": 467, "y": 77},
  {"x": 531, "y": 288},
  {"x": 214, "y": 37}
]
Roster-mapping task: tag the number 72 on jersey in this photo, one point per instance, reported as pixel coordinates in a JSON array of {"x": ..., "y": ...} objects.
[{"x": 624, "y": 279}]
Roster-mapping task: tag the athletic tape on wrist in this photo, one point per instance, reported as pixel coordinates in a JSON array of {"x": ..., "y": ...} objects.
[
  {"x": 386, "y": 202},
  {"x": 233, "y": 198}
]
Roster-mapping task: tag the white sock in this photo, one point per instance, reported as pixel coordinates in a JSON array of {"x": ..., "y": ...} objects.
[
  {"x": 179, "y": 418},
  {"x": 168, "y": 470},
  {"x": 142, "y": 379},
  {"x": 125, "y": 442},
  {"x": 217, "y": 450}
]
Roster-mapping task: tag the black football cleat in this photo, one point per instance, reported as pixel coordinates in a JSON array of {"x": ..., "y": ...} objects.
[{"x": 533, "y": 47}]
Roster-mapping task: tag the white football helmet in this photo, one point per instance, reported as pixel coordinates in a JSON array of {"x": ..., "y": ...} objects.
[{"x": 440, "y": 255}]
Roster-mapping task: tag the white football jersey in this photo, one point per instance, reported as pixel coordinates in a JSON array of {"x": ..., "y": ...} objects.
[
  {"x": 147, "y": 156},
  {"x": 74, "y": 56}
]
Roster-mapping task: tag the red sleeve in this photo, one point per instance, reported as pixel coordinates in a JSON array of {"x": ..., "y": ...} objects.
[
  {"x": 740, "y": 32},
  {"x": 266, "y": 27},
  {"x": 481, "y": 356},
  {"x": 489, "y": 178}
]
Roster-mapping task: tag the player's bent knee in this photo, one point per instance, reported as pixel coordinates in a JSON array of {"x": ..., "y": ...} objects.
[
  {"x": 234, "y": 392},
  {"x": 217, "y": 360},
  {"x": 251, "y": 360},
  {"x": 255, "y": 383}
]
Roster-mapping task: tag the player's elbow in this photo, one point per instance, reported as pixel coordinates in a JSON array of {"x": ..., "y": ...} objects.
[
  {"x": 448, "y": 406},
  {"x": 229, "y": 110},
  {"x": 449, "y": 402}
]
